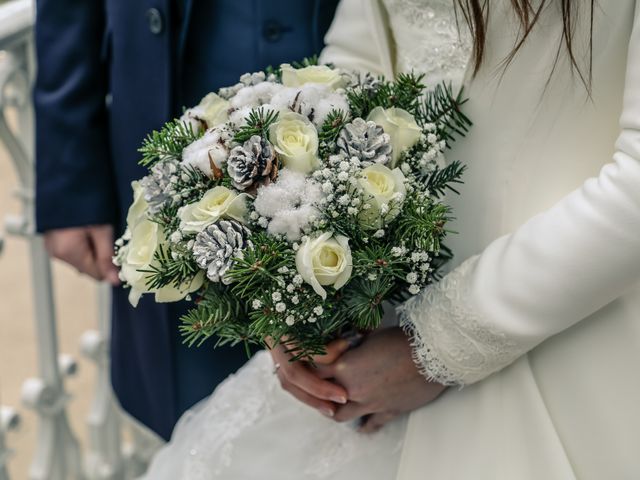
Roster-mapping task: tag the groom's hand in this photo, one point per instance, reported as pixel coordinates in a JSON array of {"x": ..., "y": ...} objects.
[
  {"x": 301, "y": 379},
  {"x": 89, "y": 249},
  {"x": 381, "y": 380}
]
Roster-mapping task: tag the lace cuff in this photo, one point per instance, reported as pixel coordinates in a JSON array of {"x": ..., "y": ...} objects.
[{"x": 452, "y": 342}]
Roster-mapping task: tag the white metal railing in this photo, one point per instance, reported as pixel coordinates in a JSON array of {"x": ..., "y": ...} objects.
[{"x": 57, "y": 455}]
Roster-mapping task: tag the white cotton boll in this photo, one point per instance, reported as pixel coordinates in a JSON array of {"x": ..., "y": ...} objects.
[
  {"x": 256, "y": 95},
  {"x": 213, "y": 145},
  {"x": 289, "y": 204},
  {"x": 308, "y": 100},
  {"x": 239, "y": 117},
  {"x": 331, "y": 102}
]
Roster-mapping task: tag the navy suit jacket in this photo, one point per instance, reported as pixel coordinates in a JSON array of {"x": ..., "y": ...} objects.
[{"x": 109, "y": 72}]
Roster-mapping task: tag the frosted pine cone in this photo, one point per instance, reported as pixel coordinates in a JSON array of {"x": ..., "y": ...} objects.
[
  {"x": 252, "y": 164},
  {"x": 157, "y": 186},
  {"x": 217, "y": 245},
  {"x": 366, "y": 141}
]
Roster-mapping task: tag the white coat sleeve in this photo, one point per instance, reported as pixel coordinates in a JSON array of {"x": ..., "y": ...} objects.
[
  {"x": 552, "y": 272},
  {"x": 358, "y": 38}
]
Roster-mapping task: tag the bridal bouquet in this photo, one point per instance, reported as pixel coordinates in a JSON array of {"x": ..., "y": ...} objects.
[{"x": 294, "y": 204}]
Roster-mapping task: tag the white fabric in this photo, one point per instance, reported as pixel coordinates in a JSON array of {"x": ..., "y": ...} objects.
[
  {"x": 252, "y": 429},
  {"x": 556, "y": 226}
]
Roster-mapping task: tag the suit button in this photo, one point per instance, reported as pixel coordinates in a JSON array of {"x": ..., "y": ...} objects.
[
  {"x": 272, "y": 31},
  {"x": 154, "y": 18}
]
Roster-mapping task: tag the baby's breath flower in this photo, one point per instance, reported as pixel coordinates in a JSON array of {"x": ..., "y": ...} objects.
[
  {"x": 276, "y": 296},
  {"x": 257, "y": 304},
  {"x": 412, "y": 277},
  {"x": 280, "y": 307}
]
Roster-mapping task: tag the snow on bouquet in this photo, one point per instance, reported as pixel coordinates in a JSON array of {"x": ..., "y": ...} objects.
[{"x": 294, "y": 204}]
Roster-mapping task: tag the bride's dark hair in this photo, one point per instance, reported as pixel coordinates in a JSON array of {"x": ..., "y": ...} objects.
[{"x": 476, "y": 14}]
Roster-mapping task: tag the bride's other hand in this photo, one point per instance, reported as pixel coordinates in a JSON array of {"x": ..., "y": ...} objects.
[
  {"x": 381, "y": 379},
  {"x": 302, "y": 381}
]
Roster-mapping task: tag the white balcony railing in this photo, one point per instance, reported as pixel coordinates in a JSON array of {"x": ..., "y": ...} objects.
[{"x": 58, "y": 455}]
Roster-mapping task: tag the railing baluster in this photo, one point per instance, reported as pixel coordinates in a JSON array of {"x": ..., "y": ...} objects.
[{"x": 104, "y": 458}]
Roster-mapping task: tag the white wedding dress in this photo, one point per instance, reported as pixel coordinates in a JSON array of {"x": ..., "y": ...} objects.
[{"x": 250, "y": 428}]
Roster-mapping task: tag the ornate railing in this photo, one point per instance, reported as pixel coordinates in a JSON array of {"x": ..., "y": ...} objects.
[{"x": 57, "y": 455}]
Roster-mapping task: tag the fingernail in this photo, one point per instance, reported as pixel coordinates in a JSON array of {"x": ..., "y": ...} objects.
[
  {"x": 327, "y": 412},
  {"x": 340, "y": 400}
]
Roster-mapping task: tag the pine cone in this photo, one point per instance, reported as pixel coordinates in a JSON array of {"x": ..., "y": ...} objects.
[
  {"x": 157, "y": 186},
  {"x": 252, "y": 164},
  {"x": 217, "y": 245},
  {"x": 366, "y": 141}
]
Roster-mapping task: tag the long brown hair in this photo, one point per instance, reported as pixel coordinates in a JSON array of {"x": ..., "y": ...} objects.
[{"x": 476, "y": 14}]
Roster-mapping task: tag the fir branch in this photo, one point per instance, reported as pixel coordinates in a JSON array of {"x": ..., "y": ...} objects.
[
  {"x": 311, "y": 61},
  {"x": 330, "y": 131},
  {"x": 406, "y": 92},
  {"x": 218, "y": 313},
  {"x": 440, "y": 180},
  {"x": 258, "y": 123},
  {"x": 167, "y": 143},
  {"x": 259, "y": 264},
  {"x": 169, "y": 269},
  {"x": 443, "y": 109},
  {"x": 363, "y": 301},
  {"x": 422, "y": 224}
]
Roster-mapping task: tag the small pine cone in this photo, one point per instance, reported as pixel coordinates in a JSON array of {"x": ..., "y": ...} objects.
[
  {"x": 157, "y": 186},
  {"x": 369, "y": 83},
  {"x": 366, "y": 141},
  {"x": 217, "y": 245},
  {"x": 252, "y": 164}
]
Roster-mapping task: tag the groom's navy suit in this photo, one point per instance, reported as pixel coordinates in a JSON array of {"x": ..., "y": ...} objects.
[{"x": 110, "y": 71}]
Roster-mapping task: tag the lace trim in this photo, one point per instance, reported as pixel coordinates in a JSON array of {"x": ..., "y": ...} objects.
[{"x": 453, "y": 344}]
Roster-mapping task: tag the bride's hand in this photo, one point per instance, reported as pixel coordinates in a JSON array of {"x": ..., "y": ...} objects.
[
  {"x": 301, "y": 380},
  {"x": 381, "y": 379}
]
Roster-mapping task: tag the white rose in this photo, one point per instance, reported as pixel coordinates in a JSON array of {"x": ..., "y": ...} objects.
[
  {"x": 296, "y": 77},
  {"x": 324, "y": 261},
  {"x": 212, "y": 147},
  {"x": 217, "y": 203},
  {"x": 212, "y": 110},
  {"x": 171, "y": 293},
  {"x": 146, "y": 237},
  {"x": 401, "y": 127},
  {"x": 296, "y": 140},
  {"x": 137, "y": 209},
  {"x": 381, "y": 186}
]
